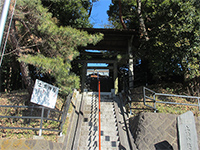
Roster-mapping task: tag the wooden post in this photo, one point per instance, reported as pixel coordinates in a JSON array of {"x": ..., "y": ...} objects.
[
  {"x": 84, "y": 70},
  {"x": 115, "y": 77},
  {"x": 131, "y": 71}
]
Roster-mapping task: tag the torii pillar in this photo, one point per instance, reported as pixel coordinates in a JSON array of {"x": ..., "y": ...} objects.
[
  {"x": 130, "y": 62},
  {"x": 84, "y": 71},
  {"x": 115, "y": 77}
]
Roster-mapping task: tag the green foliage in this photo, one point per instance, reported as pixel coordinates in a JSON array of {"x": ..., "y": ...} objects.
[
  {"x": 65, "y": 79},
  {"x": 173, "y": 29},
  {"x": 174, "y": 45},
  {"x": 50, "y": 47},
  {"x": 73, "y": 13}
]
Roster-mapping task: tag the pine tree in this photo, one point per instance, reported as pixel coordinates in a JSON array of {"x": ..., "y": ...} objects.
[{"x": 50, "y": 48}]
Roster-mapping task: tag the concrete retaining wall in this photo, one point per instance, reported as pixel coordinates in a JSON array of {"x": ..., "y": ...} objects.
[{"x": 157, "y": 131}]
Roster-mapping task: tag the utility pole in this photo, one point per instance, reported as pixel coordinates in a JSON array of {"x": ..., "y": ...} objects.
[
  {"x": 4, "y": 13},
  {"x": 3, "y": 18}
]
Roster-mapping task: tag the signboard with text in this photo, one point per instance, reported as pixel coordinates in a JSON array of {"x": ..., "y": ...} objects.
[{"x": 44, "y": 94}]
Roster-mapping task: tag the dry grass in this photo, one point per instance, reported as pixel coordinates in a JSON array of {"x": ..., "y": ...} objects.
[
  {"x": 138, "y": 106},
  {"x": 19, "y": 98}
]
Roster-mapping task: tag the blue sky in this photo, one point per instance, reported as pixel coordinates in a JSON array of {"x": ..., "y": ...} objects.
[
  {"x": 97, "y": 65},
  {"x": 99, "y": 18},
  {"x": 99, "y": 15}
]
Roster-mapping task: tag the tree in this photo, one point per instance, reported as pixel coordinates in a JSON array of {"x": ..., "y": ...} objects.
[
  {"x": 74, "y": 13},
  {"x": 174, "y": 43},
  {"x": 39, "y": 41},
  {"x": 173, "y": 32}
]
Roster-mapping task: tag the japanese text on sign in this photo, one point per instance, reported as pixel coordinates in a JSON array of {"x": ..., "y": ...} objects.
[{"x": 44, "y": 94}]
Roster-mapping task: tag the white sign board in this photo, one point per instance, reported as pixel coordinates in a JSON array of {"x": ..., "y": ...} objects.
[{"x": 44, "y": 94}]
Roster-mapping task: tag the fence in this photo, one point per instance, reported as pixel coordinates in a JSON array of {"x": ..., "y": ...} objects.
[
  {"x": 152, "y": 98},
  {"x": 38, "y": 113}
]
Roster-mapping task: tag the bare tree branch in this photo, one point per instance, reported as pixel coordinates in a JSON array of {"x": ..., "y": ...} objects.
[{"x": 90, "y": 11}]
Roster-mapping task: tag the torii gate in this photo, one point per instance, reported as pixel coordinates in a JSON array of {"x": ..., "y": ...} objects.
[
  {"x": 114, "y": 62},
  {"x": 114, "y": 40}
]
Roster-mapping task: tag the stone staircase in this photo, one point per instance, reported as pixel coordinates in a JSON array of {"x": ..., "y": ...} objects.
[{"x": 89, "y": 136}]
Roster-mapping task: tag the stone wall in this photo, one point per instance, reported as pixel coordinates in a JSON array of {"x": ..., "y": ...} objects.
[
  {"x": 154, "y": 131},
  {"x": 157, "y": 131}
]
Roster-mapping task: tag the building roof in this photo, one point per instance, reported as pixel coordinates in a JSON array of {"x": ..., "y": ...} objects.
[{"x": 114, "y": 39}]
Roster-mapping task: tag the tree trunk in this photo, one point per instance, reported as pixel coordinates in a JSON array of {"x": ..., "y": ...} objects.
[
  {"x": 90, "y": 10},
  {"x": 141, "y": 21},
  {"x": 26, "y": 77},
  {"x": 120, "y": 15},
  {"x": 23, "y": 66}
]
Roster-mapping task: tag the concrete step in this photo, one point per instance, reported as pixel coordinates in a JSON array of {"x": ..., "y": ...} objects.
[
  {"x": 90, "y": 130},
  {"x": 107, "y": 106},
  {"x": 109, "y": 144},
  {"x": 106, "y": 141},
  {"x": 110, "y": 134},
  {"x": 112, "y": 130},
  {"x": 94, "y": 136},
  {"x": 95, "y": 146},
  {"x": 93, "y": 126},
  {"x": 107, "y": 102},
  {"x": 108, "y": 113},
  {"x": 112, "y": 116},
  {"x": 111, "y": 109},
  {"x": 108, "y": 123},
  {"x": 109, "y": 129},
  {"x": 105, "y": 129}
]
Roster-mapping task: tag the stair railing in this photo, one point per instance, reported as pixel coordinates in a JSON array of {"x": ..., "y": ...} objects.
[{"x": 152, "y": 98}]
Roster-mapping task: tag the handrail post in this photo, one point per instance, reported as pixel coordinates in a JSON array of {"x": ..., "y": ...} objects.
[
  {"x": 65, "y": 111},
  {"x": 144, "y": 100},
  {"x": 154, "y": 97},
  {"x": 42, "y": 115},
  {"x": 198, "y": 104}
]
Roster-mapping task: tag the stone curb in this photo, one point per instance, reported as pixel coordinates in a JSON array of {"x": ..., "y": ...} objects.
[{"x": 128, "y": 136}]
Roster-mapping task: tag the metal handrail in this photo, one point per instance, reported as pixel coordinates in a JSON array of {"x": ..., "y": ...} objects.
[
  {"x": 154, "y": 94},
  {"x": 41, "y": 117},
  {"x": 14, "y": 106},
  {"x": 60, "y": 120}
]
